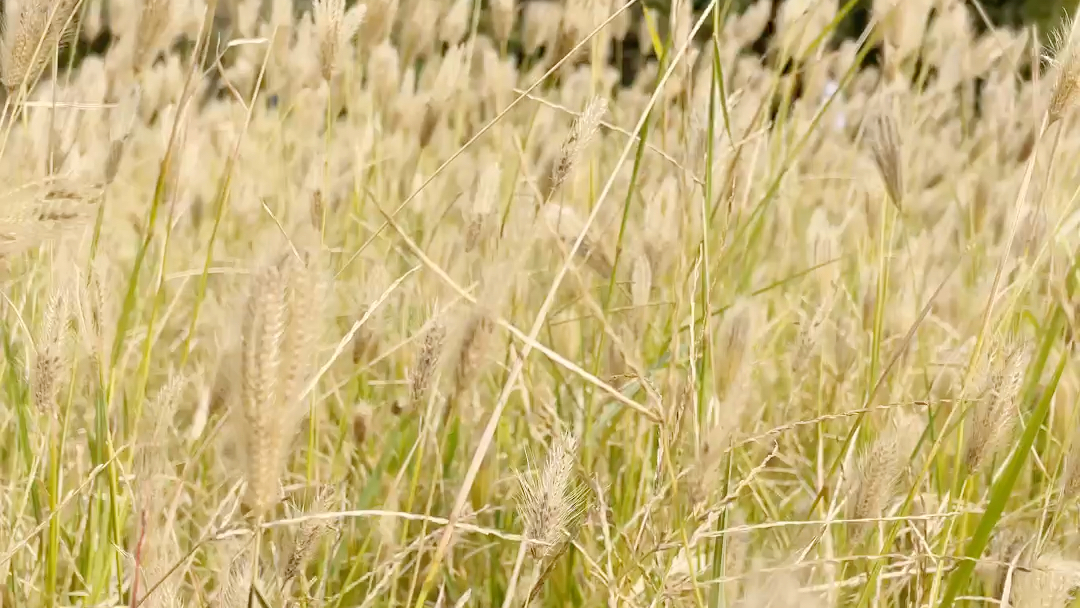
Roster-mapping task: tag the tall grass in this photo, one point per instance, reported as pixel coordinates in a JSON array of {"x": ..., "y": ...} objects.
[{"x": 413, "y": 303}]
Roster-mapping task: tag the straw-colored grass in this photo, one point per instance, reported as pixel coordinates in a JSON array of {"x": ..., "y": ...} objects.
[{"x": 410, "y": 303}]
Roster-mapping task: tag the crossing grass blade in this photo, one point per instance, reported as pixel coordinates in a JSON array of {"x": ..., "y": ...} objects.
[{"x": 1003, "y": 488}]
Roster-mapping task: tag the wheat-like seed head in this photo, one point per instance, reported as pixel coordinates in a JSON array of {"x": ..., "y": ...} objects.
[
  {"x": 307, "y": 536},
  {"x": 418, "y": 31},
  {"x": 235, "y": 588},
  {"x": 883, "y": 136},
  {"x": 585, "y": 127},
  {"x": 420, "y": 378},
  {"x": 485, "y": 200},
  {"x": 378, "y": 21},
  {"x": 1049, "y": 584},
  {"x": 551, "y": 501},
  {"x": 48, "y": 359},
  {"x": 121, "y": 122},
  {"x": 160, "y": 553},
  {"x": 305, "y": 295},
  {"x": 455, "y": 23},
  {"x": 881, "y": 467},
  {"x": 335, "y": 28},
  {"x": 641, "y": 281},
  {"x": 877, "y": 474},
  {"x": 151, "y": 463},
  {"x": 263, "y": 335},
  {"x": 384, "y": 69},
  {"x": 540, "y": 25},
  {"x": 1065, "y": 57},
  {"x": 471, "y": 349},
  {"x": 1070, "y": 486},
  {"x": 280, "y": 334},
  {"x": 27, "y": 43},
  {"x": 994, "y": 417}
]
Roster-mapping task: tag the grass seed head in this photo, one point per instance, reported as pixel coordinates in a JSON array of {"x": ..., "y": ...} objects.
[
  {"x": 881, "y": 467},
  {"x": 426, "y": 362},
  {"x": 335, "y": 28},
  {"x": 235, "y": 588},
  {"x": 307, "y": 536},
  {"x": 48, "y": 360},
  {"x": 994, "y": 416},
  {"x": 471, "y": 349},
  {"x": 154, "y": 21},
  {"x": 263, "y": 335},
  {"x": 1050, "y": 583},
  {"x": 1064, "y": 56},
  {"x": 883, "y": 136},
  {"x": 551, "y": 501},
  {"x": 455, "y": 23},
  {"x": 585, "y": 127},
  {"x": 32, "y": 31}
]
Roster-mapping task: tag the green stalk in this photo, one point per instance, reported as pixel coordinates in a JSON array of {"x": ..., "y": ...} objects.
[
  {"x": 1003, "y": 487},
  {"x": 313, "y": 420},
  {"x": 220, "y": 202},
  {"x": 57, "y": 437}
]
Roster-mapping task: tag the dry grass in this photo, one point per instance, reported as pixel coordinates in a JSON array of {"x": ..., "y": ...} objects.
[{"x": 293, "y": 290}]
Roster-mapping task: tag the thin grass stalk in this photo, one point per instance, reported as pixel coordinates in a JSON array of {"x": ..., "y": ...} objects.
[
  {"x": 538, "y": 324},
  {"x": 424, "y": 523},
  {"x": 980, "y": 338},
  {"x": 414, "y": 483},
  {"x": 143, "y": 374},
  {"x": 773, "y": 189},
  {"x": 103, "y": 401},
  {"x": 642, "y": 135},
  {"x": 1002, "y": 489},
  {"x": 515, "y": 575},
  {"x": 52, "y": 547},
  {"x": 313, "y": 425},
  {"x": 684, "y": 539},
  {"x": 57, "y": 437},
  {"x": 716, "y": 87},
  {"x": 224, "y": 190}
]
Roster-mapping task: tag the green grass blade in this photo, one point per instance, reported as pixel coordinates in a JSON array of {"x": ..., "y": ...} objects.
[{"x": 1003, "y": 487}]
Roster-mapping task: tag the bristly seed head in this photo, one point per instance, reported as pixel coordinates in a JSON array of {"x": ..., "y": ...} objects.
[
  {"x": 1065, "y": 57},
  {"x": 994, "y": 415},
  {"x": 279, "y": 334},
  {"x": 48, "y": 358},
  {"x": 883, "y": 136},
  {"x": 153, "y": 22},
  {"x": 881, "y": 467},
  {"x": 311, "y": 530},
  {"x": 420, "y": 379},
  {"x": 471, "y": 349},
  {"x": 551, "y": 501},
  {"x": 335, "y": 28},
  {"x": 32, "y": 31},
  {"x": 581, "y": 133}
]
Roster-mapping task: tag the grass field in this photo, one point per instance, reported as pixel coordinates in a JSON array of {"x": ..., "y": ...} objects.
[{"x": 357, "y": 309}]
